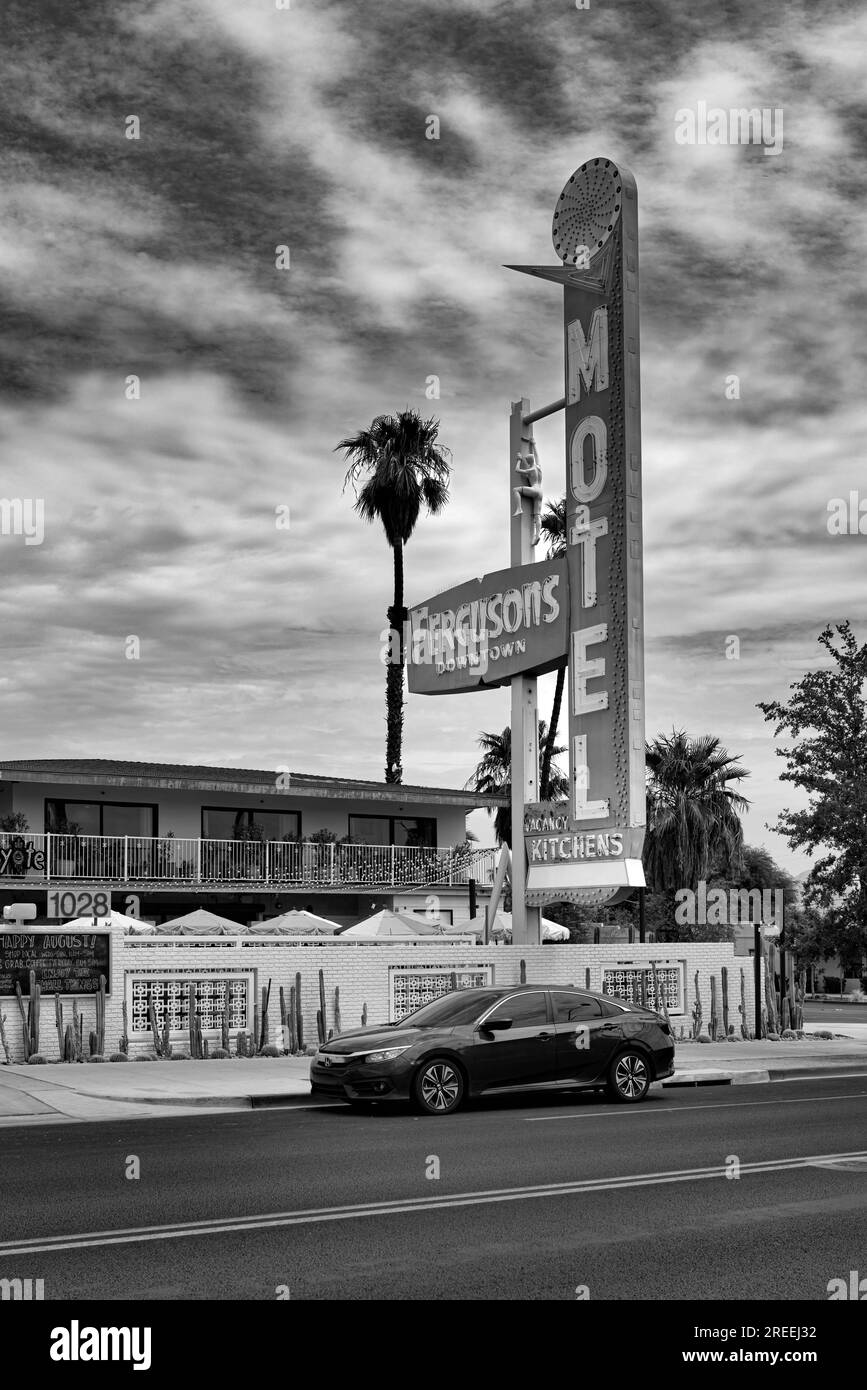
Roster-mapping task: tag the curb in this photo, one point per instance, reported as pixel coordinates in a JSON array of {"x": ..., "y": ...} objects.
[{"x": 718, "y": 1078}]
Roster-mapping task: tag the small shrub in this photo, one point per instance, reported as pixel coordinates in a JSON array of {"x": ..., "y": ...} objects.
[
  {"x": 269, "y": 1050},
  {"x": 36, "y": 1060},
  {"x": 787, "y": 1033},
  {"x": 219, "y": 1054},
  {"x": 731, "y": 1038},
  {"x": 96, "y": 1057},
  {"x": 772, "y": 1037},
  {"x": 144, "y": 1057},
  {"x": 178, "y": 1057},
  {"x": 118, "y": 1057},
  {"x": 703, "y": 1038},
  {"x": 824, "y": 1034}
]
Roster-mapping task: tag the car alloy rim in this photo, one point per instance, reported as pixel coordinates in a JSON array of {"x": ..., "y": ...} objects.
[
  {"x": 439, "y": 1087},
  {"x": 630, "y": 1076}
]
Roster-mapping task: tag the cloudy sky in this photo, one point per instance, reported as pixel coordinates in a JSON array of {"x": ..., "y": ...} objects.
[{"x": 305, "y": 127}]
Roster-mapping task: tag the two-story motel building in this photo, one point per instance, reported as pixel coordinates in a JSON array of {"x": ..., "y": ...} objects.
[{"x": 159, "y": 839}]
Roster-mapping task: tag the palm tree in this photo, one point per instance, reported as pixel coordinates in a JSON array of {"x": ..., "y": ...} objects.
[
  {"x": 693, "y": 811},
  {"x": 400, "y": 467},
  {"x": 493, "y": 776},
  {"x": 553, "y": 525}
]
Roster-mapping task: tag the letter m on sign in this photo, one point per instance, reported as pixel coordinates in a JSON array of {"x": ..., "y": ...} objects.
[{"x": 586, "y": 361}]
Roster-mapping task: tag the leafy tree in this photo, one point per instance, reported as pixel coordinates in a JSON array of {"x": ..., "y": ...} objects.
[
  {"x": 396, "y": 467},
  {"x": 826, "y": 715},
  {"x": 493, "y": 775}
]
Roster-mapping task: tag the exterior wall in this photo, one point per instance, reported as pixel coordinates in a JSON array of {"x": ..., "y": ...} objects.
[
  {"x": 361, "y": 970},
  {"x": 180, "y": 811}
]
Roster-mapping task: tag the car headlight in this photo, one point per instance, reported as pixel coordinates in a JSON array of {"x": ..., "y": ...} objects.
[{"x": 388, "y": 1055}]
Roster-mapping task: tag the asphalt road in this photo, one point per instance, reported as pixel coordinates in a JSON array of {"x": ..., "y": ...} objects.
[
  {"x": 831, "y": 1013},
  {"x": 534, "y": 1200}
]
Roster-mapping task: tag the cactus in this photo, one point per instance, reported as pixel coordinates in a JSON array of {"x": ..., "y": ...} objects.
[
  {"x": 205, "y": 1048},
  {"x": 266, "y": 1004},
  {"x": 523, "y": 972},
  {"x": 714, "y": 1021},
  {"x": 293, "y": 1027},
  {"x": 91, "y": 1043},
  {"x": 324, "y": 1026},
  {"x": 742, "y": 1007},
  {"x": 336, "y": 1009},
  {"x": 256, "y": 1024},
  {"x": 25, "y": 1021},
  {"x": 724, "y": 977},
  {"x": 364, "y": 1016},
  {"x": 77, "y": 1032},
  {"x": 100, "y": 1015},
  {"x": 191, "y": 1017},
  {"x": 771, "y": 1022},
  {"x": 320, "y": 1027},
  {"x": 3, "y": 1039},
  {"x": 58, "y": 1021},
  {"x": 200, "y": 1050},
  {"x": 124, "y": 1038},
  {"x": 224, "y": 1023},
  {"x": 69, "y": 1044},
  {"x": 167, "y": 1047},
  {"x": 299, "y": 1018},
  {"x": 33, "y": 1012},
  {"x": 453, "y": 981},
  {"x": 283, "y": 1021},
  {"x": 155, "y": 1032},
  {"x": 696, "y": 1011}
]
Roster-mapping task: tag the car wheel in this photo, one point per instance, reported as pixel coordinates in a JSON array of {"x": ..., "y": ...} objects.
[
  {"x": 629, "y": 1077},
  {"x": 438, "y": 1088}
]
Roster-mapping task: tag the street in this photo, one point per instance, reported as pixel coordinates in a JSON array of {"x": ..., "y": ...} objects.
[{"x": 646, "y": 1212}]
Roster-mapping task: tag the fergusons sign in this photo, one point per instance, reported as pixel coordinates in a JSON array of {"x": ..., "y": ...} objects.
[{"x": 483, "y": 633}]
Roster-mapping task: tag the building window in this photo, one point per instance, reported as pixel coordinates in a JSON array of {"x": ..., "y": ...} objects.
[
  {"x": 170, "y": 998},
  {"x": 394, "y": 830},
  {"x": 101, "y": 817},
  {"x": 223, "y": 823}
]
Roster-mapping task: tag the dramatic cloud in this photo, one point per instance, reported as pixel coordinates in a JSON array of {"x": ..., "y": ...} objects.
[{"x": 155, "y": 258}]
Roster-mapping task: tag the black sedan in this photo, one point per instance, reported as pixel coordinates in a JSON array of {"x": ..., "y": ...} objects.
[{"x": 476, "y": 1042}]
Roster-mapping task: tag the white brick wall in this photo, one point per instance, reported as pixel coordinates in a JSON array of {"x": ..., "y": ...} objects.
[{"x": 360, "y": 969}]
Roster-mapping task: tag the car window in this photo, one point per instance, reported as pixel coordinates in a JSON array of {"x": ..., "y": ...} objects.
[
  {"x": 525, "y": 1010},
  {"x": 450, "y": 1010},
  {"x": 574, "y": 1008}
]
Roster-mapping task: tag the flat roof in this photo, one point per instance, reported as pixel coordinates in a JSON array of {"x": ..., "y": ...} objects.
[{"x": 117, "y": 772}]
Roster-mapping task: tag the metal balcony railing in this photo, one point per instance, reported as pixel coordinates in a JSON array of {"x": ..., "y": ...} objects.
[{"x": 139, "y": 859}]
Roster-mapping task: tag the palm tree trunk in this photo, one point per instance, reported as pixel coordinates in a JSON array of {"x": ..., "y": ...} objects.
[
  {"x": 547, "y": 752},
  {"x": 394, "y": 678}
]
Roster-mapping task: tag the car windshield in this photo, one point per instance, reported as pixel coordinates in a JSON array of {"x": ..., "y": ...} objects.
[{"x": 461, "y": 1006}]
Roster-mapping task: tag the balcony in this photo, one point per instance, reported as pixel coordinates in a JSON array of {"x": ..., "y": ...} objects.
[{"x": 164, "y": 862}]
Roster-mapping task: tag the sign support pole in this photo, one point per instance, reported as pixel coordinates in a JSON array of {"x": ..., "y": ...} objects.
[{"x": 526, "y": 922}]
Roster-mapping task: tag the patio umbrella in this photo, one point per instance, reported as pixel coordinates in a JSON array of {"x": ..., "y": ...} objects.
[
  {"x": 551, "y": 931},
  {"x": 296, "y": 922},
  {"x": 131, "y": 925},
  {"x": 200, "y": 922},
  {"x": 386, "y": 924}
]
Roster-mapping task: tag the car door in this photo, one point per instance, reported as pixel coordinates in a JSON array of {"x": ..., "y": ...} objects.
[
  {"x": 586, "y": 1035},
  {"x": 519, "y": 1055}
]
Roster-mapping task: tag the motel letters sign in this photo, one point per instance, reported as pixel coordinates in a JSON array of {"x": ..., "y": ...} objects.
[{"x": 588, "y": 849}]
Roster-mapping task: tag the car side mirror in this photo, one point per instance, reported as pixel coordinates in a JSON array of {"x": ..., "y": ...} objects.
[{"x": 496, "y": 1025}]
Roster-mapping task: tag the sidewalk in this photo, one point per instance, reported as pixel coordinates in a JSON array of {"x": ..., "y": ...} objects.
[{"x": 134, "y": 1090}]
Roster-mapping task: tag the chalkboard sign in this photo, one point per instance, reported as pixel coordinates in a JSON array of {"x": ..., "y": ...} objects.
[{"x": 65, "y": 962}]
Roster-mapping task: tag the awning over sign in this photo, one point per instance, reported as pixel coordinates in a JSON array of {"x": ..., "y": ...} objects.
[{"x": 596, "y": 882}]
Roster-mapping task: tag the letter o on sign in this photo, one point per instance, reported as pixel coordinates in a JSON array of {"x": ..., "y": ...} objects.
[
  {"x": 513, "y": 610},
  {"x": 593, "y": 427}
]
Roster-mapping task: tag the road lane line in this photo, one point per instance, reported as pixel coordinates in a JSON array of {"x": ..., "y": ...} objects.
[
  {"x": 648, "y": 1113},
  {"x": 401, "y": 1206}
]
